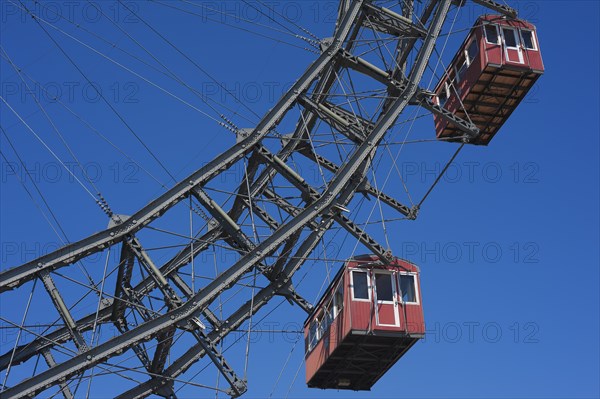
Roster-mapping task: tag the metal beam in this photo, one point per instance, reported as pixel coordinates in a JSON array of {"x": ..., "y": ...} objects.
[
  {"x": 309, "y": 194},
  {"x": 500, "y": 8},
  {"x": 202, "y": 298},
  {"x": 345, "y": 222},
  {"x": 391, "y": 23},
  {"x": 165, "y": 337},
  {"x": 238, "y": 240},
  {"x": 320, "y": 212},
  {"x": 193, "y": 354},
  {"x": 364, "y": 237},
  {"x": 352, "y": 126},
  {"x": 63, "y": 310},
  {"x": 165, "y": 341},
  {"x": 238, "y": 386},
  {"x": 407, "y": 46},
  {"x": 64, "y": 388},
  {"x": 16, "y": 276},
  {"x": 181, "y": 364},
  {"x": 24, "y": 352},
  {"x": 123, "y": 279},
  {"x": 365, "y": 186},
  {"x": 463, "y": 125}
]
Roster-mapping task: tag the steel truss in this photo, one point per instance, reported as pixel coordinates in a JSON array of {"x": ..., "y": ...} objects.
[{"x": 296, "y": 228}]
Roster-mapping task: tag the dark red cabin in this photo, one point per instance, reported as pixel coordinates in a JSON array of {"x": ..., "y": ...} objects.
[
  {"x": 369, "y": 317},
  {"x": 496, "y": 66}
]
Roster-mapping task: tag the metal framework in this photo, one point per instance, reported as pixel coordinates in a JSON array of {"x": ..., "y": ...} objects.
[{"x": 296, "y": 227}]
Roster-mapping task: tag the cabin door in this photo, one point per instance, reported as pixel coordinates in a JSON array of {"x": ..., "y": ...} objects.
[
  {"x": 386, "y": 302},
  {"x": 512, "y": 46}
]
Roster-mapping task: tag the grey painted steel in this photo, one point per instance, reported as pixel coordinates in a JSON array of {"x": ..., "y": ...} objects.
[
  {"x": 69, "y": 254},
  {"x": 387, "y": 21},
  {"x": 263, "y": 296},
  {"x": 498, "y": 7},
  {"x": 64, "y": 388},
  {"x": 319, "y": 212},
  {"x": 469, "y": 128},
  {"x": 63, "y": 310},
  {"x": 151, "y": 328}
]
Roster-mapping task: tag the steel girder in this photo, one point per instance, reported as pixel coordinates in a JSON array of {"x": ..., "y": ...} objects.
[
  {"x": 319, "y": 211},
  {"x": 71, "y": 253}
]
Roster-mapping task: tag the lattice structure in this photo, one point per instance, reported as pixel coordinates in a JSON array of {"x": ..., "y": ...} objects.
[{"x": 274, "y": 220}]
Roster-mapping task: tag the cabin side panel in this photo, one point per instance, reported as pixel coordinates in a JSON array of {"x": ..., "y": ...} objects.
[
  {"x": 327, "y": 328},
  {"x": 360, "y": 299},
  {"x": 462, "y": 74},
  {"x": 414, "y": 312},
  {"x": 410, "y": 300}
]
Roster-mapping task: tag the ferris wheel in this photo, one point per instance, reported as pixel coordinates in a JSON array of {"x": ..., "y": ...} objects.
[{"x": 145, "y": 305}]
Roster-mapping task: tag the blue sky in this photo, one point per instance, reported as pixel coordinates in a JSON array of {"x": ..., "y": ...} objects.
[{"x": 507, "y": 242}]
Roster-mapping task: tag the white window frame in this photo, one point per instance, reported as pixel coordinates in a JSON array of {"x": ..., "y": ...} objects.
[
  {"x": 319, "y": 330},
  {"x": 327, "y": 318},
  {"x": 393, "y": 302},
  {"x": 518, "y": 45},
  {"x": 338, "y": 307},
  {"x": 313, "y": 339},
  {"x": 368, "y": 285},
  {"x": 394, "y": 289},
  {"x": 467, "y": 56},
  {"x": 533, "y": 39},
  {"x": 457, "y": 69},
  {"x": 417, "y": 296},
  {"x": 516, "y": 36},
  {"x": 446, "y": 91},
  {"x": 498, "y": 38}
]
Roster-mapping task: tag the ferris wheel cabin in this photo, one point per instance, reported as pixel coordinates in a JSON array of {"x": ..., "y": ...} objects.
[
  {"x": 495, "y": 68},
  {"x": 370, "y": 316}
]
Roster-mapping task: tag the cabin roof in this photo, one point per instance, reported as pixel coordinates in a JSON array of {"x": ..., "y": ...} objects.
[{"x": 503, "y": 18}]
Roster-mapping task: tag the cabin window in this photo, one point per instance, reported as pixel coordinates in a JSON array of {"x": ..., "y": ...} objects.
[
  {"x": 320, "y": 328},
  {"x": 338, "y": 300},
  {"x": 510, "y": 37},
  {"x": 327, "y": 319},
  {"x": 491, "y": 34},
  {"x": 383, "y": 287},
  {"x": 312, "y": 334},
  {"x": 407, "y": 288},
  {"x": 472, "y": 51},
  {"x": 528, "y": 39},
  {"x": 461, "y": 68},
  {"x": 360, "y": 285},
  {"x": 443, "y": 95}
]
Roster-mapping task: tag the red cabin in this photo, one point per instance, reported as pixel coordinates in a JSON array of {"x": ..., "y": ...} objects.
[
  {"x": 369, "y": 317},
  {"x": 496, "y": 66}
]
